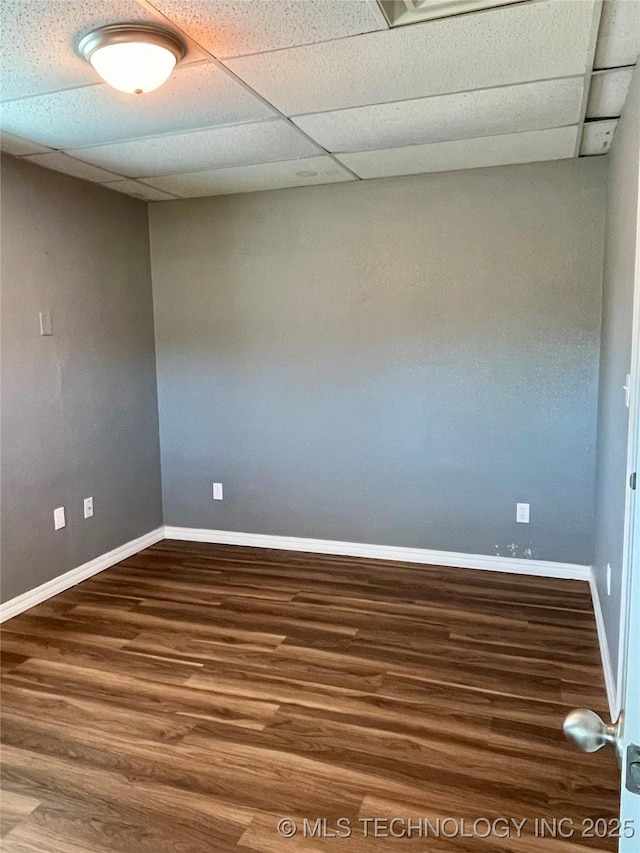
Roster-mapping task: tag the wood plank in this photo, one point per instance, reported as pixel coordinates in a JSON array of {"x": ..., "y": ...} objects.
[{"x": 194, "y": 694}]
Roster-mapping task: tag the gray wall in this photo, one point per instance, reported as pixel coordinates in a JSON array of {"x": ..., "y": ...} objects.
[
  {"x": 79, "y": 413},
  {"x": 615, "y": 360},
  {"x": 395, "y": 362}
]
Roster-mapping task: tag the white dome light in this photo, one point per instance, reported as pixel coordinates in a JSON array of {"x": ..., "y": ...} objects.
[{"x": 132, "y": 58}]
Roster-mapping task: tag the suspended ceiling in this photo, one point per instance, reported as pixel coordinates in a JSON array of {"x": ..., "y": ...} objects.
[{"x": 282, "y": 93}]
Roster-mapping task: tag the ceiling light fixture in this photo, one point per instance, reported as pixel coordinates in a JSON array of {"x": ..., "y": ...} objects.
[{"x": 132, "y": 58}]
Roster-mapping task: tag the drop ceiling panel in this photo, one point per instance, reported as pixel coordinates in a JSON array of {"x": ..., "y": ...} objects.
[
  {"x": 506, "y": 109},
  {"x": 14, "y": 145},
  {"x": 60, "y": 162},
  {"x": 508, "y": 45},
  {"x": 608, "y": 92},
  {"x": 39, "y": 41},
  {"x": 198, "y": 95},
  {"x": 533, "y": 146},
  {"x": 597, "y": 137},
  {"x": 619, "y": 34},
  {"x": 138, "y": 190},
  {"x": 244, "y": 179},
  {"x": 238, "y": 27},
  {"x": 214, "y": 148}
]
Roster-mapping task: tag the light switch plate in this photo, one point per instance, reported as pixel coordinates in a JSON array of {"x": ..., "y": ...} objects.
[
  {"x": 217, "y": 492},
  {"x": 627, "y": 390},
  {"x": 46, "y": 323},
  {"x": 59, "y": 520}
]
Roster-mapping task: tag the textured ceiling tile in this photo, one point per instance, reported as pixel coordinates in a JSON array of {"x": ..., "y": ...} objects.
[
  {"x": 39, "y": 40},
  {"x": 11, "y": 144},
  {"x": 237, "y": 27},
  {"x": 608, "y": 92},
  {"x": 506, "y": 109},
  {"x": 244, "y": 179},
  {"x": 214, "y": 148},
  {"x": 137, "y": 190},
  {"x": 513, "y": 44},
  {"x": 529, "y": 147},
  {"x": 60, "y": 162},
  {"x": 597, "y": 137},
  {"x": 619, "y": 34},
  {"x": 199, "y": 95}
]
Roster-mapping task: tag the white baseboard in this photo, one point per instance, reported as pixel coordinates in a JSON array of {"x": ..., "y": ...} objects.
[
  {"x": 513, "y": 565},
  {"x": 605, "y": 655},
  {"x": 46, "y": 590}
]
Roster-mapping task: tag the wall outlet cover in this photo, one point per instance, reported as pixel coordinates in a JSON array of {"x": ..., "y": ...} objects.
[
  {"x": 59, "y": 520},
  {"x": 88, "y": 507},
  {"x": 522, "y": 513}
]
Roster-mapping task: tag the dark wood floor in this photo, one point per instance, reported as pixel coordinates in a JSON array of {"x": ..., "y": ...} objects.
[{"x": 194, "y": 695}]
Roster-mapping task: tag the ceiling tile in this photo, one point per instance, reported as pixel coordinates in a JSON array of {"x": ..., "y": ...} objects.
[
  {"x": 214, "y": 148},
  {"x": 608, "y": 92},
  {"x": 60, "y": 162},
  {"x": 619, "y": 34},
  {"x": 238, "y": 27},
  {"x": 514, "y": 44},
  {"x": 39, "y": 40},
  {"x": 506, "y": 109},
  {"x": 137, "y": 190},
  {"x": 597, "y": 137},
  {"x": 529, "y": 147},
  {"x": 199, "y": 95},
  {"x": 11, "y": 144},
  {"x": 245, "y": 179}
]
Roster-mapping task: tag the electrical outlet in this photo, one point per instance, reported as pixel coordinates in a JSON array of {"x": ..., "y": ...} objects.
[
  {"x": 217, "y": 492},
  {"x": 88, "y": 507},
  {"x": 58, "y": 518},
  {"x": 522, "y": 513},
  {"x": 608, "y": 578}
]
